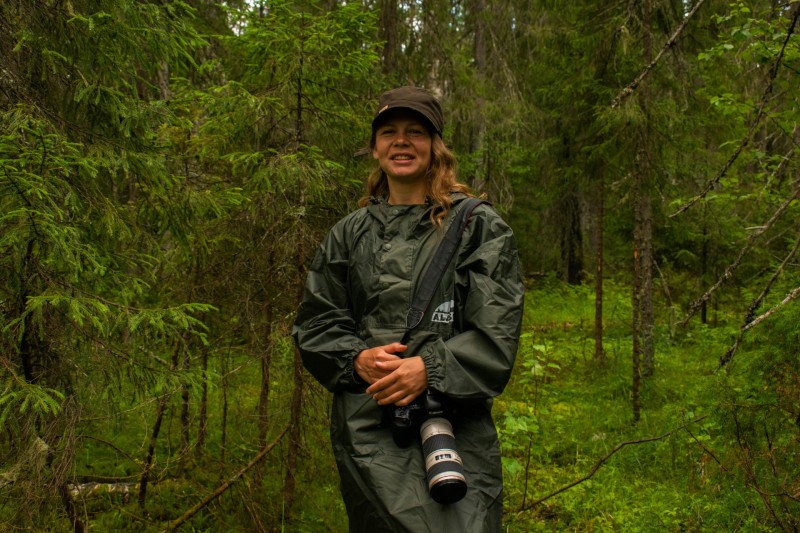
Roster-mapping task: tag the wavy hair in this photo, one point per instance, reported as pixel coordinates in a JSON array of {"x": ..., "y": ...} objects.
[{"x": 440, "y": 181}]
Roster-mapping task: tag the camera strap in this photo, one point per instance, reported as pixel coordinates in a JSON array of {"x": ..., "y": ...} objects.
[{"x": 435, "y": 270}]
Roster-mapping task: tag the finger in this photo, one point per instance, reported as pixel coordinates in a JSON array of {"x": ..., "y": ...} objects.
[
  {"x": 374, "y": 375},
  {"x": 387, "y": 396},
  {"x": 405, "y": 400},
  {"x": 379, "y": 386},
  {"x": 388, "y": 378},
  {"x": 384, "y": 357},
  {"x": 395, "y": 347},
  {"x": 389, "y": 365},
  {"x": 392, "y": 398},
  {"x": 400, "y": 398}
]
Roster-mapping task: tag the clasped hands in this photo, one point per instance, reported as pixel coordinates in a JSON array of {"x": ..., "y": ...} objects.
[{"x": 391, "y": 378}]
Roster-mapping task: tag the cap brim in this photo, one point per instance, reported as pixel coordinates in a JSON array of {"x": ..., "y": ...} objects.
[{"x": 410, "y": 106}]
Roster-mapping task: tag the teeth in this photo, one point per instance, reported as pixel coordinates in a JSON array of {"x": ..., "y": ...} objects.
[{"x": 402, "y": 157}]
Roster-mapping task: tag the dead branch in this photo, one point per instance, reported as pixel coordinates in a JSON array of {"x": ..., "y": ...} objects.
[
  {"x": 746, "y": 140},
  {"x": 85, "y": 490},
  {"x": 175, "y": 524},
  {"x": 749, "y": 321},
  {"x": 628, "y": 89},
  {"x": 751, "y": 478},
  {"x": 705, "y": 449},
  {"x": 789, "y": 297},
  {"x": 110, "y": 445},
  {"x": 695, "y": 306},
  {"x": 601, "y": 461}
]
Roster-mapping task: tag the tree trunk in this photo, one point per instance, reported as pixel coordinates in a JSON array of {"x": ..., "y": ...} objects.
[
  {"x": 297, "y": 394},
  {"x": 645, "y": 172},
  {"x": 599, "y": 355},
  {"x": 636, "y": 311},
  {"x": 571, "y": 240},
  {"x": 225, "y": 365},
  {"x": 263, "y": 399},
  {"x": 202, "y": 415},
  {"x": 185, "y": 422},
  {"x": 387, "y": 32},
  {"x": 294, "y": 434},
  {"x": 478, "y": 139},
  {"x": 162, "y": 406},
  {"x": 297, "y": 401},
  {"x": 704, "y": 268},
  {"x": 638, "y": 283},
  {"x": 75, "y": 521},
  {"x": 648, "y": 315},
  {"x": 151, "y": 449}
]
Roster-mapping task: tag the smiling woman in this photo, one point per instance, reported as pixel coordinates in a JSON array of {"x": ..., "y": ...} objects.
[
  {"x": 353, "y": 314},
  {"x": 402, "y": 148},
  {"x": 440, "y": 181}
]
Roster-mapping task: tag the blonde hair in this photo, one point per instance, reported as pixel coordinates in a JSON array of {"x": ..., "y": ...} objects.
[{"x": 440, "y": 181}]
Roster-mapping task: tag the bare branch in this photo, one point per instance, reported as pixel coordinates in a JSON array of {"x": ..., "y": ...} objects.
[
  {"x": 709, "y": 452},
  {"x": 601, "y": 461},
  {"x": 778, "y": 271},
  {"x": 628, "y": 89},
  {"x": 751, "y": 309},
  {"x": 789, "y": 297},
  {"x": 695, "y": 306},
  {"x": 175, "y": 524}
]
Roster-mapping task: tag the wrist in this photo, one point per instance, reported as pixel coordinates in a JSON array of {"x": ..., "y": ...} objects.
[{"x": 354, "y": 370}]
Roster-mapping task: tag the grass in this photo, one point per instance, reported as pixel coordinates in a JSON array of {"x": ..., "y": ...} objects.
[{"x": 562, "y": 414}]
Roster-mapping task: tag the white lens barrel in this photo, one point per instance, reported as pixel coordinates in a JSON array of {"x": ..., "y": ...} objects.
[{"x": 443, "y": 466}]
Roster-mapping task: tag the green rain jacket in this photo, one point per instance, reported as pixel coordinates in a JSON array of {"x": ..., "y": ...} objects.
[{"x": 359, "y": 289}]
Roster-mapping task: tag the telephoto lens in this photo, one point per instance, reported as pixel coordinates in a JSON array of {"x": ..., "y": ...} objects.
[{"x": 443, "y": 466}]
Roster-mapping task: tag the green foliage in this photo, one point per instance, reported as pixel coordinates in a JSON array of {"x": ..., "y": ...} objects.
[
  {"x": 560, "y": 416},
  {"x": 20, "y": 400},
  {"x": 166, "y": 169}
]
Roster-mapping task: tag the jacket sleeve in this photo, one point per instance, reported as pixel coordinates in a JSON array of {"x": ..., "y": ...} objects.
[
  {"x": 489, "y": 292},
  {"x": 324, "y": 330}
]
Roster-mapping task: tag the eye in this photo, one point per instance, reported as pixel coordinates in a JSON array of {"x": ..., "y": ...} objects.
[{"x": 417, "y": 131}]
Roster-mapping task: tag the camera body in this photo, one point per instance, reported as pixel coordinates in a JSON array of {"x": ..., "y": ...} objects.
[{"x": 443, "y": 466}]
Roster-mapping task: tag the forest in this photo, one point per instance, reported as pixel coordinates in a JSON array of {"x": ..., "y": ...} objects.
[{"x": 168, "y": 167}]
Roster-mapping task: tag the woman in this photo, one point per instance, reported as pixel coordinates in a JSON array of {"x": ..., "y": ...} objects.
[{"x": 359, "y": 288}]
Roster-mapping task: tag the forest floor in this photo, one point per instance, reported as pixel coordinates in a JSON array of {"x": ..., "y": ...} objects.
[
  {"x": 573, "y": 458},
  {"x": 566, "y": 424}
]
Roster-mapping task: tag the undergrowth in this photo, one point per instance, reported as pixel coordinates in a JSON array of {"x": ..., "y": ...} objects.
[
  {"x": 715, "y": 449},
  {"x": 688, "y": 465}
]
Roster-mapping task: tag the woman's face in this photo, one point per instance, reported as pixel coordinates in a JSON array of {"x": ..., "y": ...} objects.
[{"x": 403, "y": 148}]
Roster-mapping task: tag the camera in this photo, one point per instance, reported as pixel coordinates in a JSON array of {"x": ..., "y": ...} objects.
[{"x": 443, "y": 467}]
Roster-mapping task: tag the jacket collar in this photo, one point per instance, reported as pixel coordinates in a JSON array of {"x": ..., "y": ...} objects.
[{"x": 379, "y": 206}]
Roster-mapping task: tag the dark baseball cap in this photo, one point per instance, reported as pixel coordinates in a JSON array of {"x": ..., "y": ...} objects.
[{"x": 414, "y": 98}]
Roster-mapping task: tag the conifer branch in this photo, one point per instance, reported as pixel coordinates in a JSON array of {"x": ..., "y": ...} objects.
[
  {"x": 628, "y": 89},
  {"x": 28, "y": 203}
]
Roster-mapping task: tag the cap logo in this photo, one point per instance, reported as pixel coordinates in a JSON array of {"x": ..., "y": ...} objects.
[{"x": 384, "y": 108}]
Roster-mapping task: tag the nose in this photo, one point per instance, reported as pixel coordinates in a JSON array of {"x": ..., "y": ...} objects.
[{"x": 400, "y": 138}]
